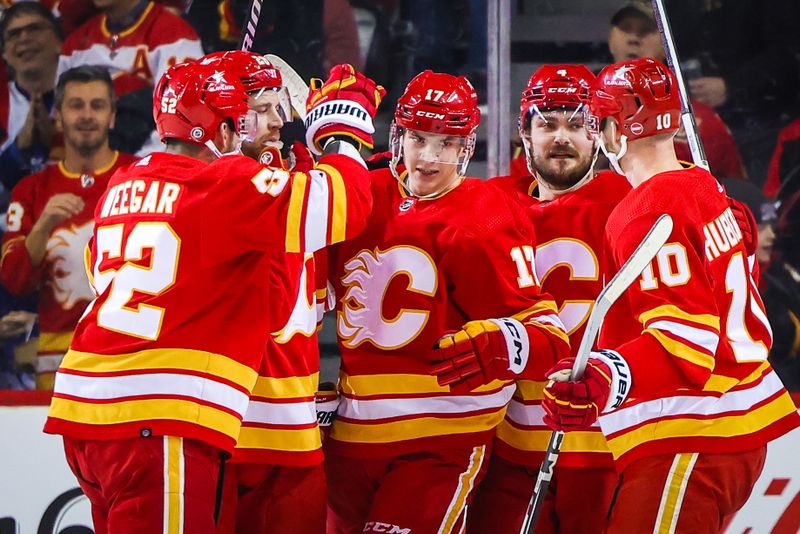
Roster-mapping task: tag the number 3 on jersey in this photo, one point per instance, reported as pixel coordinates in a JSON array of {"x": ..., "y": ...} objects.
[{"x": 155, "y": 240}]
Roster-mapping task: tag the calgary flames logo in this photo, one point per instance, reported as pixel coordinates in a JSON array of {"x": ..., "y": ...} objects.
[
  {"x": 65, "y": 255},
  {"x": 367, "y": 277}
]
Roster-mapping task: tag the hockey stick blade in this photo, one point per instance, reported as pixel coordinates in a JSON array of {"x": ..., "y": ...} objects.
[
  {"x": 298, "y": 89},
  {"x": 627, "y": 275}
]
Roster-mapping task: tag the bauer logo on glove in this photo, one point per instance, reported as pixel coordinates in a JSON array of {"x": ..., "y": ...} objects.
[{"x": 342, "y": 106}]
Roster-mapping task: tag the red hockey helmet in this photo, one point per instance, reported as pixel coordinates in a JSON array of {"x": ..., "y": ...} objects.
[
  {"x": 555, "y": 86},
  {"x": 254, "y": 71},
  {"x": 439, "y": 103},
  {"x": 641, "y": 94},
  {"x": 191, "y": 100}
]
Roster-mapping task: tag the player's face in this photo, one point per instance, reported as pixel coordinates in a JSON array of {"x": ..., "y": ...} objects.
[
  {"x": 30, "y": 44},
  {"x": 431, "y": 160},
  {"x": 766, "y": 238},
  {"x": 267, "y": 106},
  {"x": 86, "y": 116},
  {"x": 634, "y": 37},
  {"x": 561, "y": 149}
]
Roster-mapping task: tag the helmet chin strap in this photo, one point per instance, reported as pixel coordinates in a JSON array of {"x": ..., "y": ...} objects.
[
  {"x": 613, "y": 159},
  {"x": 214, "y": 150}
]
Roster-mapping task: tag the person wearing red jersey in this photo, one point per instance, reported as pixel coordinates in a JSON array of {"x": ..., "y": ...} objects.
[
  {"x": 153, "y": 389},
  {"x": 30, "y": 39},
  {"x": 50, "y": 218},
  {"x": 278, "y": 481},
  {"x": 683, "y": 390},
  {"x": 568, "y": 212},
  {"x": 136, "y": 40},
  {"x": 633, "y": 34},
  {"x": 442, "y": 276}
]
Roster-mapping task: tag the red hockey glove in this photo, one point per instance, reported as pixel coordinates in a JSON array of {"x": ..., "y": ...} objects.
[
  {"x": 300, "y": 158},
  {"x": 747, "y": 223},
  {"x": 577, "y": 405},
  {"x": 344, "y": 105},
  {"x": 480, "y": 352}
]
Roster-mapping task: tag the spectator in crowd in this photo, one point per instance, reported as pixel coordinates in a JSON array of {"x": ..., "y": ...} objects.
[
  {"x": 136, "y": 40},
  {"x": 73, "y": 13},
  {"x": 750, "y": 73},
  {"x": 782, "y": 295},
  {"x": 783, "y": 177},
  {"x": 50, "y": 218},
  {"x": 634, "y": 34},
  {"x": 30, "y": 38}
]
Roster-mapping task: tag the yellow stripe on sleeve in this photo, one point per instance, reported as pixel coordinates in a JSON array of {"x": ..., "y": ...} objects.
[
  {"x": 681, "y": 350},
  {"x": 339, "y": 200},
  {"x": 670, "y": 310},
  {"x": 294, "y": 219}
]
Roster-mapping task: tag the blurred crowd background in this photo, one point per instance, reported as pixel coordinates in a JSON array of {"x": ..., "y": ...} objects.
[{"x": 741, "y": 59}]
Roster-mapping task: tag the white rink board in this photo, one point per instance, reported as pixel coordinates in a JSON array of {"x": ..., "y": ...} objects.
[{"x": 34, "y": 473}]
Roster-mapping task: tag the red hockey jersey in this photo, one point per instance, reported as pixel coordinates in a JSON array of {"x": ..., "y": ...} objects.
[
  {"x": 692, "y": 328},
  {"x": 60, "y": 279},
  {"x": 570, "y": 265},
  {"x": 180, "y": 261},
  {"x": 420, "y": 269},
  {"x": 136, "y": 57}
]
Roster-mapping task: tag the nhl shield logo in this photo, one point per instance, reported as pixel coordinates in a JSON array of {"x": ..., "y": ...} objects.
[
  {"x": 87, "y": 181},
  {"x": 407, "y": 204}
]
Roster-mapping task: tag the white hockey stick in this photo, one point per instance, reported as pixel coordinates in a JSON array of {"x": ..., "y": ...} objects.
[
  {"x": 687, "y": 117},
  {"x": 294, "y": 83},
  {"x": 628, "y": 273}
]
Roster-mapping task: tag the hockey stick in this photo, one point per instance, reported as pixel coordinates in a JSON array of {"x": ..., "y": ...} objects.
[
  {"x": 249, "y": 28},
  {"x": 294, "y": 83},
  {"x": 687, "y": 117},
  {"x": 628, "y": 273}
]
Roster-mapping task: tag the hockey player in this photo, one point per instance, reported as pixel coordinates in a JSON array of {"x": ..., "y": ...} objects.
[
  {"x": 686, "y": 398},
  {"x": 278, "y": 481},
  {"x": 568, "y": 212},
  {"x": 158, "y": 378},
  {"x": 441, "y": 253},
  {"x": 50, "y": 218}
]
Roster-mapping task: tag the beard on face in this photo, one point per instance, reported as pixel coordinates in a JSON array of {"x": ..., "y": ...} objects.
[
  {"x": 561, "y": 178},
  {"x": 85, "y": 145}
]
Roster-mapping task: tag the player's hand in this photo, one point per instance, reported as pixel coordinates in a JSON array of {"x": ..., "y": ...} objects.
[
  {"x": 480, "y": 352},
  {"x": 604, "y": 386},
  {"x": 300, "y": 158},
  {"x": 747, "y": 224},
  {"x": 344, "y": 105},
  {"x": 59, "y": 208},
  {"x": 327, "y": 403},
  {"x": 379, "y": 160}
]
